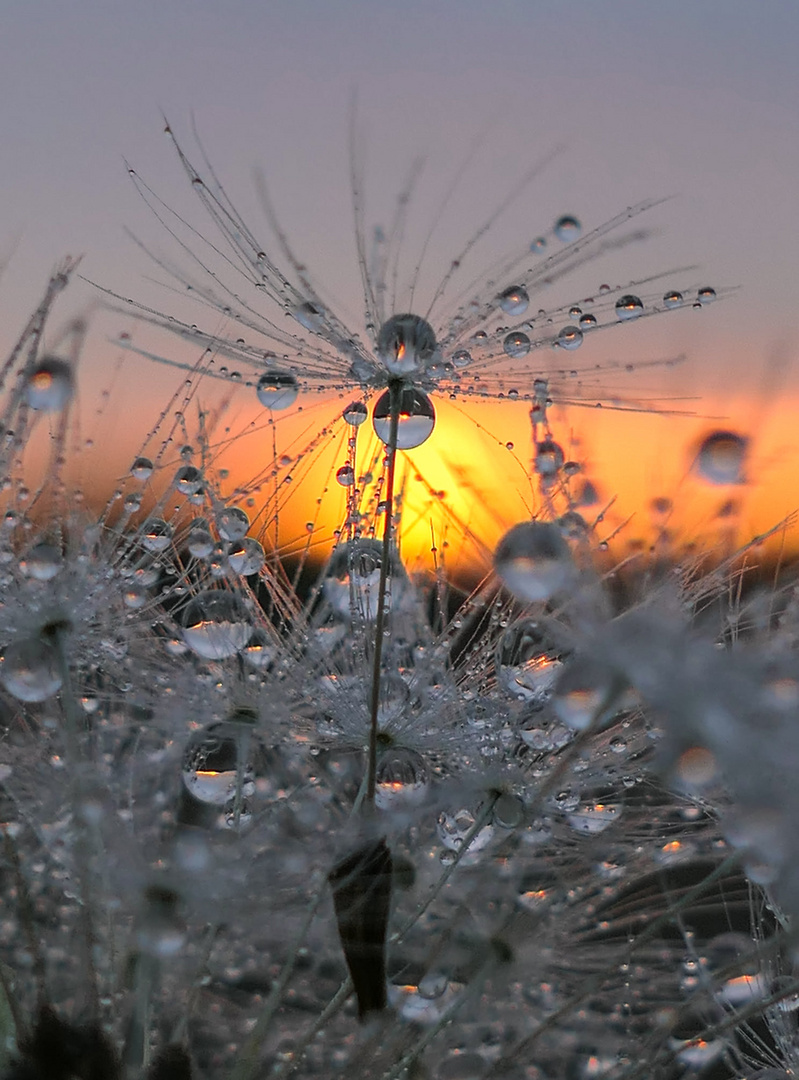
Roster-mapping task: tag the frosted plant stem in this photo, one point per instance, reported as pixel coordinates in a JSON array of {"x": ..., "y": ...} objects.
[
  {"x": 395, "y": 398},
  {"x": 247, "y": 1064}
]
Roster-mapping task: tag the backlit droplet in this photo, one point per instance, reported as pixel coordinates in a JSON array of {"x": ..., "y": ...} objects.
[
  {"x": 587, "y": 321},
  {"x": 277, "y": 390},
  {"x": 188, "y": 479},
  {"x": 514, "y": 301},
  {"x": 156, "y": 535},
  {"x": 673, "y": 299},
  {"x": 417, "y": 418},
  {"x": 345, "y": 476},
  {"x": 586, "y": 692},
  {"x": 567, "y": 228},
  {"x": 629, "y": 307},
  {"x": 351, "y": 580},
  {"x": 199, "y": 541},
  {"x": 29, "y": 670},
  {"x": 42, "y": 562},
  {"x": 454, "y": 826},
  {"x": 49, "y": 385},
  {"x": 245, "y": 556},
  {"x": 232, "y": 523},
  {"x": 141, "y": 469},
  {"x": 461, "y": 358},
  {"x": 527, "y": 660},
  {"x": 406, "y": 344},
  {"x": 534, "y": 561},
  {"x": 570, "y": 337},
  {"x": 721, "y": 457},
  {"x": 355, "y": 413},
  {"x": 706, "y": 295},
  {"x": 402, "y": 779},
  {"x": 548, "y": 457},
  {"x": 516, "y": 345},
  {"x": 216, "y": 624}
]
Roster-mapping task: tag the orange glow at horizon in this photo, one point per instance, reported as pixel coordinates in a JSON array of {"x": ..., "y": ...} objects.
[{"x": 472, "y": 480}]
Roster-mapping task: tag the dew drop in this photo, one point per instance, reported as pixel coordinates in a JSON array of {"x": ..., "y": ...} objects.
[
  {"x": 629, "y": 307},
  {"x": 417, "y": 418},
  {"x": 673, "y": 299},
  {"x": 567, "y": 228},
  {"x": 515, "y": 300},
  {"x": 516, "y": 345},
  {"x": 402, "y": 779},
  {"x": 406, "y": 343},
  {"x": 345, "y": 476},
  {"x": 534, "y": 561},
  {"x": 49, "y": 385},
  {"x": 232, "y": 523},
  {"x": 277, "y": 390},
  {"x": 188, "y": 480},
  {"x": 216, "y": 624},
  {"x": 141, "y": 469},
  {"x": 527, "y": 660},
  {"x": 156, "y": 535},
  {"x": 42, "y": 562},
  {"x": 245, "y": 556},
  {"x": 721, "y": 457},
  {"x": 355, "y": 413},
  {"x": 29, "y": 670},
  {"x": 570, "y": 337}
]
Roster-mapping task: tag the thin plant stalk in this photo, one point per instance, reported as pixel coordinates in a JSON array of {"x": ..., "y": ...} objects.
[{"x": 395, "y": 398}]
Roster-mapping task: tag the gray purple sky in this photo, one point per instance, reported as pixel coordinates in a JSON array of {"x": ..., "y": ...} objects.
[{"x": 695, "y": 99}]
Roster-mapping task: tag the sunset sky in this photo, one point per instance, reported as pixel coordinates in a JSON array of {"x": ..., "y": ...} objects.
[{"x": 695, "y": 101}]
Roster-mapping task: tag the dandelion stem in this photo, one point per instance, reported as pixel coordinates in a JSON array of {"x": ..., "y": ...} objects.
[{"x": 395, "y": 398}]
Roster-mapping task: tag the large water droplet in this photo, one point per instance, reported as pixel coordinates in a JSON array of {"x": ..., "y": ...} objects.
[
  {"x": 232, "y": 523},
  {"x": 515, "y": 300},
  {"x": 49, "y": 385},
  {"x": 417, "y": 418},
  {"x": 629, "y": 307},
  {"x": 353, "y": 575},
  {"x": 567, "y": 228},
  {"x": 141, "y": 469},
  {"x": 245, "y": 556},
  {"x": 29, "y": 670},
  {"x": 406, "y": 344},
  {"x": 42, "y": 562},
  {"x": 277, "y": 390},
  {"x": 548, "y": 457},
  {"x": 216, "y": 624},
  {"x": 156, "y": 534},
  {"x": 355, "y": 413},
  {"x": 402, "y": 779},
  {"x": 188, "y": 480},
  {"x": 721, "y": 457},
  {"x": 345, "y": 476},
  {"x": 534, "y": 561},
  {"x": 516, "y": 345},
  {"x": 570, "y": 337},
  {"x": 527, "y": 660}
]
